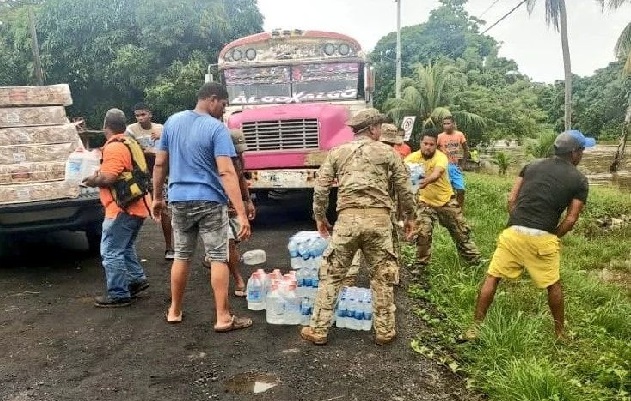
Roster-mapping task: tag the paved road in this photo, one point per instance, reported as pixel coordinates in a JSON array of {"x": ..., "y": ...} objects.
[{"x": 56, "y": 346}]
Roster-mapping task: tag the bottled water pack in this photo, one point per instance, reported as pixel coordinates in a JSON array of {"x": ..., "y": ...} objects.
[
  {"x": 354, "y": 309},
  {"x": 417, "y": 173},
  {"x": 305, "y": 250}
]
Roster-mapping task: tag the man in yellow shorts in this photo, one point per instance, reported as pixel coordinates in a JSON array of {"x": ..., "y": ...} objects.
[{"x": 543, "y": 190}]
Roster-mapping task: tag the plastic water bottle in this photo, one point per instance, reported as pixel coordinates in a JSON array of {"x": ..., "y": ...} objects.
[
  {"x": 342, "y": 311},
  {"x": 367, "y": 321},
  {"x": 74, "y": 166},
  {"x": 292, "y": 246},
  {"x": 306, "y": 309},
  {"x": 293, "y": 303},
  {"x": 90, "y": 164},
  {"x": 255, "y": 292},
  {"x": 351, "y": 322},
  {"x": 275, "y": 311},
  {"x": 254, "y": 257},
  {"x": 319, "y": 246}
]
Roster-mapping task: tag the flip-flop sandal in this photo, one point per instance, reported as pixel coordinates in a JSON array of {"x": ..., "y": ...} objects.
[
  {"x": 178, "y": 319},
  {"x": 240, "y": 292},
  {"x": 237, "y": 323}
]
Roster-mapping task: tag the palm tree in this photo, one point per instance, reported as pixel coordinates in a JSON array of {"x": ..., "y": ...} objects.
[
  {"x": 426, "y": 97},
  {"x": 556, "y": 14},
  {"x": 623, "y": 51}
]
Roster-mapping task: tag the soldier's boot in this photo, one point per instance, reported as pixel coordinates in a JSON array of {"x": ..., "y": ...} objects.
[
  {"x": 308, "y": 334},
  {"x": 383, "y": 339}
]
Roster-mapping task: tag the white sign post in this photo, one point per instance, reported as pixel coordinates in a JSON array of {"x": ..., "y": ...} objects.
[{"x": 408, "y": 124}]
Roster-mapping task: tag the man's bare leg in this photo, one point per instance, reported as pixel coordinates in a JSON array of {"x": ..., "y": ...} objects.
[
  {"x": 179, "y": 277},
  {"x": 167, "y": 230},
  {"x": 485, "y": 299},
  {"x": 233, "y": 265},
  {"x": 556, "y": 304},
  {"x": 219, "y": 280}
]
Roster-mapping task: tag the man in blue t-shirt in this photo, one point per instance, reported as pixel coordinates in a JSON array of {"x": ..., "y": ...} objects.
[{"x": 196, "y": 151}]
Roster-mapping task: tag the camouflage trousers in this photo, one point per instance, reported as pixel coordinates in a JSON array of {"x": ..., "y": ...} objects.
[
  {"x": 359, "y": 260},
  {"x": 368, "y": 230},
  {"x": 449, "y": 216}
]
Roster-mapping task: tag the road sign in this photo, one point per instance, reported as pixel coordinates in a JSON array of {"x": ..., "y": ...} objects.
[{"x": 407, "y": 124}]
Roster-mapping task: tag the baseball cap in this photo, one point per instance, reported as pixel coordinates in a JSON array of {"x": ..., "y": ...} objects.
[
  {"x": 238, "y": 139},
  {"x": 571, "y": 140},
  {"x": 389, "y": 134}
]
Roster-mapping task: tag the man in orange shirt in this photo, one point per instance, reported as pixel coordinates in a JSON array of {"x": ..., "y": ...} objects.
[
  {"x": 124, "y": 275},
  {"x": 400, "y": 146},
  {"x": 453, "y": 143}
]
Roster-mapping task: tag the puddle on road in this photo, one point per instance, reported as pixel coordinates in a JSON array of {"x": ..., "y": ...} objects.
[{"x": 251, "y": 383}]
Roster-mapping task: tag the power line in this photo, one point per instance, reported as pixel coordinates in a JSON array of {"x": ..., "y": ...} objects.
[
  {"x": 505, "y": 16},
  {"x": 489, "y": 7}
]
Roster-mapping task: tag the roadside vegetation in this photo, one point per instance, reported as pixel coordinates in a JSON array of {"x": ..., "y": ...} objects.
[{"x": 516, "y": 356}]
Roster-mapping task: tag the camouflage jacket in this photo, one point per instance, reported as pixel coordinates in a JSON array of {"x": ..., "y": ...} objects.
[{"x": 366, "y": 172}]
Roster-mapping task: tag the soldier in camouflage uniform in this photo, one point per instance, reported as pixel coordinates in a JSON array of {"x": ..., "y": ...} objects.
[
  {"x": 437, "y": 203},
  {"x": 389, "y": 136},
  {"x": 364, "y": 169}
]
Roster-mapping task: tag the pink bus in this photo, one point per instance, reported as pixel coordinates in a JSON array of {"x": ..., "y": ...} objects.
[{"x": 292, "y": 92}]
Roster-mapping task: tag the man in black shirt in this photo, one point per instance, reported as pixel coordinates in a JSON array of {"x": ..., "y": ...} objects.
[{"x": 544, "y": 189}]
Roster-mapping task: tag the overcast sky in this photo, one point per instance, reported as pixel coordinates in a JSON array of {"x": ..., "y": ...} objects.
[{"x": 524, "y": 38}]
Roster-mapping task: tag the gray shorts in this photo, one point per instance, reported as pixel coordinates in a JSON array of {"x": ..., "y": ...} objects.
[
  {"x": 200, "y": 218},
  {"x": 233, "y": 229}
]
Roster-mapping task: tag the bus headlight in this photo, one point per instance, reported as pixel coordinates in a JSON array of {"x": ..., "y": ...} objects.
[
  {"x": 250, "y": 54},
  {"x": 329, "y": 49},
  {"x": 344, "y": 49},
  {"x": 237, "y": 55}
]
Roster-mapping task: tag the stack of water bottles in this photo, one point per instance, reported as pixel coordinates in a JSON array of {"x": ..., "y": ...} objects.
[
  {"x": 276, "y": 294},
  {"x": 354, "y": 309},
  {"x": 417, "y": 172},
  {"x": 305, "y": 250}
]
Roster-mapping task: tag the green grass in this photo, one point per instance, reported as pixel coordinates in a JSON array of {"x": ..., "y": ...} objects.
[{"x": 516, "y": 356}]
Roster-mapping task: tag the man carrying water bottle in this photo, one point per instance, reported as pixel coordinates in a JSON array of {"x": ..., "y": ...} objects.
[{"x": 364, "y": 169}]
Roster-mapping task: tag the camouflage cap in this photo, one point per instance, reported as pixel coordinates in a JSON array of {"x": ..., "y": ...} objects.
[
  {"x": 389, "y": 134},
  {"x": 238, "y": 139},
  {"x": 365, "y": 119}
]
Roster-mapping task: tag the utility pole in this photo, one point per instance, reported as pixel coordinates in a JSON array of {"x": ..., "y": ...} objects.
[
  {"x": 37, "y": 63},
  {"x": 398, "y": 61}
]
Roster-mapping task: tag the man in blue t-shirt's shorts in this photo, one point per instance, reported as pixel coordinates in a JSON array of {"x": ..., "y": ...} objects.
[{"x": 196, "y": 151}]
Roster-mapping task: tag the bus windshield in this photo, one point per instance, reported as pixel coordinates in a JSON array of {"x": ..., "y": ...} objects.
[{"x": 297, "y": 83}]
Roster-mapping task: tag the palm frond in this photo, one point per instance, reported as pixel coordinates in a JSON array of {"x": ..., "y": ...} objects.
[
  {"x": 613, "y": 4},
  {"x": 623, "y": 48},
  {"x": 553, "y": 11},
  {"x": 469, "y": 121}
]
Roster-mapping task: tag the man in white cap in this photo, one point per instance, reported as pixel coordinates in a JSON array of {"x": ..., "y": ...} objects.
[{"x": 544, "y": 189}]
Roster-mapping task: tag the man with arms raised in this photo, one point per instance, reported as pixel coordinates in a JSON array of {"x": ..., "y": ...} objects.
[{"x": 543, "y": 191}]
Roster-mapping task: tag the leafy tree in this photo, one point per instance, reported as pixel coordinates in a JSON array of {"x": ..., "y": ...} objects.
[
  {"x": 426, "y": 96},
  {"x": 113, "y": 53},
  {"x": 448, "y": 34}
]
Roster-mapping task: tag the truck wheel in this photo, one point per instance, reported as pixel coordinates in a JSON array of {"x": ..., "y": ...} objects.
[{"x": 93, "y": 235}]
